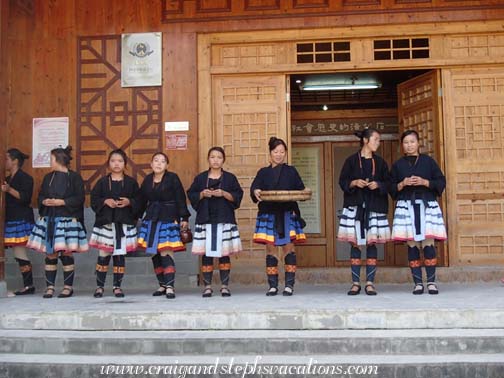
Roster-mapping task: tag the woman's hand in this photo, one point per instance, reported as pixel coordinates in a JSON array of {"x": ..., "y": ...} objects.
[
  {"x": 218, "y": 193},
  {"x": 184, "y": 225},
  {"x": 359, "y": 183},
  {"x": 5, "y": 187},
  {"x": 373, "y": 185},
  {"x": 123, "y": 202},
  {"x": 257, "y": 194},
  {"x": 207, "y": 193},
  {"x": 419, "y": 181},
  {"x": 53, "y": 202},
  {"x": 110, "y": 202}
]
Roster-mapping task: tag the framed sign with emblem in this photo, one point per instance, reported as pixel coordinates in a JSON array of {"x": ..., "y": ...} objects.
[{"x": 141, "y": 59}]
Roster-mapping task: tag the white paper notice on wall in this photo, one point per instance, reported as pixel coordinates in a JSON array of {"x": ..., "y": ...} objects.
[
  {"x": 48, "y": 133},
  {"x": 177, "y": 126}
]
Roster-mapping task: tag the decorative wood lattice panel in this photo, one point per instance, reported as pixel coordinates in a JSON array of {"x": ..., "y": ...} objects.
[
  {"x": 488, "y": 211},
  {"x": 476, "y": 46},
  {"x": 475, "y": 122},
  {"x": 253, "y": 55},
  {"x": 248, "y": 111},
  {"x": 215, "y": 10},
  {"x": 479, "y": 131},
  {"x": 479, "y": 247},
  {"x": 419, "y": 110},
  {"x": 109, "y": 116}
]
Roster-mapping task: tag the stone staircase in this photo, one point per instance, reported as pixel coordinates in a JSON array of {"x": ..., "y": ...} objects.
[{"x": 316, "y": 333}]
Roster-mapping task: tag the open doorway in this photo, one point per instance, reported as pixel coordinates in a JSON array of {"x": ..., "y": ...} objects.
[{"x": 326, "y": 109}]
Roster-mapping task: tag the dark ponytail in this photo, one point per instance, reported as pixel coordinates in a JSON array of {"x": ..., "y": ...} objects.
[
  {"x": 365, "y": 134},
  {"x": 16, "y": 154}
]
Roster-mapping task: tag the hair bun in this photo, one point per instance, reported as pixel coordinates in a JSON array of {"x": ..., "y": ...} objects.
[
  {"x": 25, "y": 156},
  {"x": 359, "y": 134}
]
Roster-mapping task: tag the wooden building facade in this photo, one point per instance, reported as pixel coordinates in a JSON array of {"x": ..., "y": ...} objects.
[{"x": 227, "y": 67}]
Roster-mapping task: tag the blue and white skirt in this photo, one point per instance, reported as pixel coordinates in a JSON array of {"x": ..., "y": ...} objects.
[
  {"x": 105, "y": 238},
  {"x": 429, "y": 225},
  {"x": 69, "y": 236},
  {"x": 265, "y": 232},
  {"x": 165, "y": 237},
  {"x": 216, "y": 240},
  {"x": 350, "y": 228},
  {"x": 17, "y": 233}
]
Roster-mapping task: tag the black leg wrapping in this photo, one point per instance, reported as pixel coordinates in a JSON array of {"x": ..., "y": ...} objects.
[
  {"x": 101, "y": 270},
  {"x": 169, "y": 270},
  {"x": 207, "y": 269},
  {"x": 68, "y": 269},
  {"x": 290, "y": 264},
  {"x": 355, "y": 263},
  {"x": 372, "y": 256},
  {"x": 51, "y": 269},
  {"x": 119, "y": 268},
  {"x": 26, "y": 271},
  {"x": 415, "y": 265},
  {"x": 272, "y": 270},
  {"x": 158, "y": 269},
  {"x": 224, "y": 269},
  {"x": 430, "y": 262}
]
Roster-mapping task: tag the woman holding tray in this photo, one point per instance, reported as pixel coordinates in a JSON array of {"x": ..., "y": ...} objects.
[{"x": 278, "y": 224}]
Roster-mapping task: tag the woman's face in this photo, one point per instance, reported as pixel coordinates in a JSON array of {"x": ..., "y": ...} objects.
[
  {"x": 278, "y": 154},
  {"x": 216, "y": 159},
  {"x": 159, "y": 164},
  {"x": 374, "y": 142},
  {"x": 410, "y": 145},
  {"x": 116, "y": 163},
  {"x": 9, "y": 163}
]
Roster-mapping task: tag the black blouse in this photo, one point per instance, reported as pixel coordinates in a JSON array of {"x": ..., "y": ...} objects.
[
  {"x": 215, "y": 209},
  {"x": 165, "y": 201},
  {"x": 373, "y": 169},
  {"x": 423, "y": 166},
  {"x": 282, "y": 177},
  {"x": 19, "y": 209},
  {"x": 107, "y": 188},
  {"x": 67, "y": 186}
]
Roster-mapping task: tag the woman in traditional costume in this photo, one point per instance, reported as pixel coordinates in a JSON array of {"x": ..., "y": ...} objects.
[
  {"x": 59, "y": 231},
  {"x": 215, "y": 194},
  {"x": 364, "y": 180},
  {"x": 278, "y": 224},
  {"x": 416, "y": 182}
]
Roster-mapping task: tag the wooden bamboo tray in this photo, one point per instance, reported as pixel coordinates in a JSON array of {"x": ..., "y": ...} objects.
[{"x": 286, "y": 195}]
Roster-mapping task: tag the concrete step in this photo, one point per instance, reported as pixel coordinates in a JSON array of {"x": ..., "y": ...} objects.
[
  {"x": 311, "y": 308},
  {"x": 228, "y": 343},
  {"x": 389, "y": 366}
]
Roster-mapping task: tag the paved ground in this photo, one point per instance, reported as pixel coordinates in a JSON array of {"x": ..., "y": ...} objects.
[{"x": 306, "y": 297}]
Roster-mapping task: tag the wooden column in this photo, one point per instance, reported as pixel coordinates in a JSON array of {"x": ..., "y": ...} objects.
[{"x": 4, "y": 16}]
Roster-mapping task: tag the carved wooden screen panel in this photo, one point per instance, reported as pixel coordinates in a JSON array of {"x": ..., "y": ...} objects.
[
  {"x": 109, "y": 116},
  {"x": 419, "y": 109},
  {"x": 247, "y": 112},
  {"x": 475, "y": 146}
]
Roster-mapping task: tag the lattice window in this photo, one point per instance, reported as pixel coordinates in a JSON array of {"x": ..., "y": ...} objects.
[
  {"x": 323, "y": 52},
  {"x": 405, "y": 48}
]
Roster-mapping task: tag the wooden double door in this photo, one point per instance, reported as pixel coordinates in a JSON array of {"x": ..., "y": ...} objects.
[{"x": 248, "y": 110}]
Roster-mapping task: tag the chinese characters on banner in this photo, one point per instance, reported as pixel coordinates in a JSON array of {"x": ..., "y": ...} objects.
[{"x": 343, "y": 126}]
